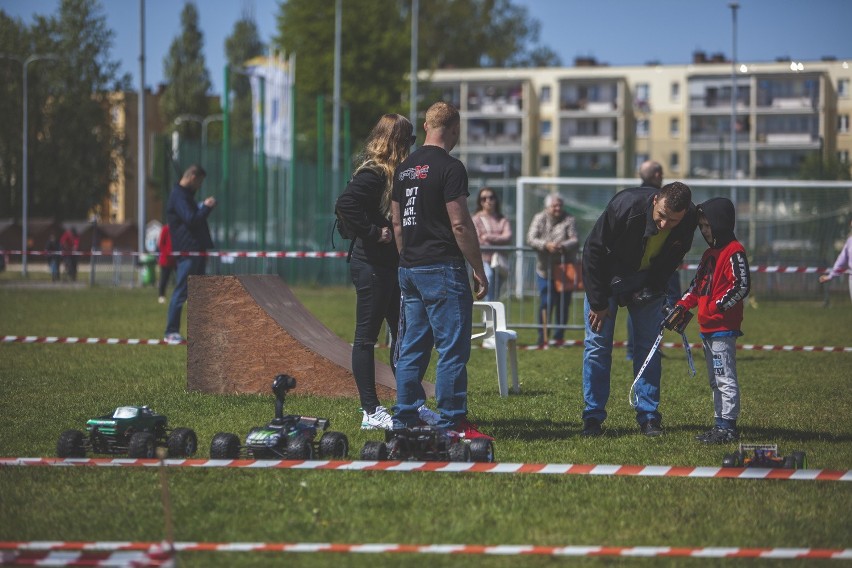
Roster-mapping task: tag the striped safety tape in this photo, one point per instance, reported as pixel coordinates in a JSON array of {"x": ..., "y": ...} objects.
[
  {"x": 474, "y": 549},
  {"x": 454, "y": 467},
  {"x": 768, "y": 268},
  {"x": 565, "y": 343}
]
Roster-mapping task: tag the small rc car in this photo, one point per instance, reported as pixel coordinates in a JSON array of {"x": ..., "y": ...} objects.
[
  {"x": 764, "y": 455},
  {"x": 427, "y": 443},
  {"x": 133, "y": 430},
  {"x": 288, "y": 436}
]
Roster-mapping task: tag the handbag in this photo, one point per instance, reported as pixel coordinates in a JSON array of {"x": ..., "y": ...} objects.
[
  {"x": 500, "y": 264},
  {"x": 568, "y": 277}
]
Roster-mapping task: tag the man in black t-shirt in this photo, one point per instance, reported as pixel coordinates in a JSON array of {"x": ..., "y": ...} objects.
[{"x": 435, "y": 235}]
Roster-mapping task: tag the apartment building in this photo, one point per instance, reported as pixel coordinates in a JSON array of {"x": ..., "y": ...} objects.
[{"x": 596, "y": 120}]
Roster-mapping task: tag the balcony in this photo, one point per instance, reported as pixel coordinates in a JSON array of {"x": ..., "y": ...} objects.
[
  {"x": 604, "y": 141},
  {"x": 785, "y": 138}
]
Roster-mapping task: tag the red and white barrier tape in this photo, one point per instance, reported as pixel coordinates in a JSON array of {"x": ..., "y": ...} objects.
[
  {"x": 671, "y": 345},
  {"x": 476, "y": 549},
  {"x": 115, "y": 554},
  {"x": 454, "y": 467},
  {"x": 768, "y": 268},
  {"x": 566, "y": 343}
]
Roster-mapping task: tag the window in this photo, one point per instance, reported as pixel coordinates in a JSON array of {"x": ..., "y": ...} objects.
[
  {"x": 546, "y": 129},
  {"x": 675, "y": 92},
  {"x": 674, "y": 162},
  {"x": 544, "y": 95},
  {"x": 674, "y": 127},
  {"x": 843, "y": 124},
  {"x": 640, "y": 159},
  {"x": 643, "y": 127},
  {"x": 545, "y": 161},
  {"x": 843, "y": 156},
  {"x": 843, "y": 88},
  {"x": 643, "y": 92}
]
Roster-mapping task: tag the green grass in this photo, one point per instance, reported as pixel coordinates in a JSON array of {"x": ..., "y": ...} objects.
[{"x": 802, "y": 401}]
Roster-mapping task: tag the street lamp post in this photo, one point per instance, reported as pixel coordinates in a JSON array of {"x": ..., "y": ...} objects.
[
  {"x": 734, "y": 6},
  {"x": 24, "y": 177}
]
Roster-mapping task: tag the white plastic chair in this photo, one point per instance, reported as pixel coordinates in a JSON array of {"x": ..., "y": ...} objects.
[{"x": 505, "y": 342}]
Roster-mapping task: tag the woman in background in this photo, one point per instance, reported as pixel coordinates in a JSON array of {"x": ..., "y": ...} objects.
[{"x": 493, "y": 229}]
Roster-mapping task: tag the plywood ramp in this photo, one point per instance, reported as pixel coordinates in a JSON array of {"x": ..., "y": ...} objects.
[{"x": 244, "y": 330}]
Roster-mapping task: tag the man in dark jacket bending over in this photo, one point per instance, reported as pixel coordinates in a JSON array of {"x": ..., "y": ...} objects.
[
  {"x": 631, "y": 252},
  {"x": 190, "y": 233}
]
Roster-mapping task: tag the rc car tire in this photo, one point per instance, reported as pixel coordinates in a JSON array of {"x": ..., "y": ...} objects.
[
  {"x": 70, "y": 444},
  {"x": 182, "y": 443},
  {"x": 800, "y": 460},
  {"x": 789, "y": 462},
  {"x": 482, "y": 450},
  {"x": 374, "y": 451},
  {"x": 730, "y": 460},
  {"x": 300, "y": 448},
  {"x": 459, "y": 452},
  {"x": 397, "y": 448},
  {"x": 334, "y": 445},
  {"x": 225, "y": 446},
  {"x": 142, "y": 445}
]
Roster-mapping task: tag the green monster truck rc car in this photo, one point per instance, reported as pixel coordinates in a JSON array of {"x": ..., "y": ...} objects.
[{"x": 133, "y": 430}]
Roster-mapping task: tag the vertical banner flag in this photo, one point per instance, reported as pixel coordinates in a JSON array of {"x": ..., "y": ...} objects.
[{"x": 278, "y": 130}]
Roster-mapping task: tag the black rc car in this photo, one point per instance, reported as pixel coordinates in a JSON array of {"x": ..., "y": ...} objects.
[
  {"x": 287, "y": 437},
  {"x": 764, "y": 455},
  {"x": 427, "y": 443},
  {"x": 133, "y": 430}
]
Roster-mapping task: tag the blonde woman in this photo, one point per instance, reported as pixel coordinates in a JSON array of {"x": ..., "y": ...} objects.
[{"x": 365, "y": 205}]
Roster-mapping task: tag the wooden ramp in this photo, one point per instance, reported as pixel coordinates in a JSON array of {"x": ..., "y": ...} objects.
[{"x": 244, "y": 330}]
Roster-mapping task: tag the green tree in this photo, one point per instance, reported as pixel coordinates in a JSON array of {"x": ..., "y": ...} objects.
[
  {"x": 816, "y": 167},
  {"x": 185, "y": 70},
  {"x": 376, "y": 51},
  {"x": 243, "y": 44},
  {"x": 71, "y": 138},
  {"x": 14, "y": 43}
]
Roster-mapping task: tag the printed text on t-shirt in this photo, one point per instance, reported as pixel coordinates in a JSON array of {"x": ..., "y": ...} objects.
[
  {"x": 417, "y": 172},
  {"x": 408, "y": 216}
]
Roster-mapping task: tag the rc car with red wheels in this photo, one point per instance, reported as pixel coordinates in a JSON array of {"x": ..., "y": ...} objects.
[
  {"x": 136, "y": 431},
  {"x": 288, "y": 436},
  {"x": 428, "y": 443},
  {"x": 764, "y": 455}
]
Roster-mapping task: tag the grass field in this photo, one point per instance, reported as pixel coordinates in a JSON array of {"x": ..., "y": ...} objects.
[{"x": 802, "y": 401}]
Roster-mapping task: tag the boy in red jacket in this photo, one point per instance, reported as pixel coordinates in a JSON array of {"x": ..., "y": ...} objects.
[{"x": 720, "y": 285}]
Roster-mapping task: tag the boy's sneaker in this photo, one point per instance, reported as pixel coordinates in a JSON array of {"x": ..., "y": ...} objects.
[
  {"x": 429, "y": 416},
  {"x": 489, "y": 343},
  {"x": 468, "y": 430},
  {"x": 378, "y": 420},
  {"x": 173, "y": 338},
  {"x": 719, "y": 435},
  {"x": 652, "y": 428},
  {"x": 161, "y": 300}
]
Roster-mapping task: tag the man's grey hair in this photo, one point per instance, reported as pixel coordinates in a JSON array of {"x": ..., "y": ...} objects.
[{"x": 551, "y": 197}]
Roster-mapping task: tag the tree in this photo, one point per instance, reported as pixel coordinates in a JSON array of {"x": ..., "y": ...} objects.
[
  {"x": 71, "y": 138},
  {"x": 376, "y": 51},
  {"x": 816, "y": 167},
  {"x": 243, "y": 44},
  {"x": 185, "y": 70},
  {"x": 14, "y": 41}
]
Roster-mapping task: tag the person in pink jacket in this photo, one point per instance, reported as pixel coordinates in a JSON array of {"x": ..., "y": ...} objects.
[
  {"x": 492, "y": 229},
  {"x": 843, "y": 264},
  {"x": 166, "y": 261}
]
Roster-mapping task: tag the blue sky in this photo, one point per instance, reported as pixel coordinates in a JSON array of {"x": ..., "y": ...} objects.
[{"x": 618, "y": 32}]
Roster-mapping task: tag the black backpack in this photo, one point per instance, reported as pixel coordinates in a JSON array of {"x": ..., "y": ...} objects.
[{"x": 343, "y": 229}]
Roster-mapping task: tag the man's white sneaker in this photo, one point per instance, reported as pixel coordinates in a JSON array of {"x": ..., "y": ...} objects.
[
  {"x": 428, "y": 415},
  {"x": 378, "y": 420}
]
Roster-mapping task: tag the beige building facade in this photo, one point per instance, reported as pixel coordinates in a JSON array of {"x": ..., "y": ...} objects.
[{"x": 602, "y": 121}]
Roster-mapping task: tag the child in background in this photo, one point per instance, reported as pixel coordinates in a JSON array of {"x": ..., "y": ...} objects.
[{"x": 720, "y": 285}]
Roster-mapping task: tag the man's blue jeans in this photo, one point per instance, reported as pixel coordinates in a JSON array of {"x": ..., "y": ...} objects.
[
  {"x": 437, "y": 311},
  {"x": 186, "y": 266},
  {"x": 597, "y": 361}
]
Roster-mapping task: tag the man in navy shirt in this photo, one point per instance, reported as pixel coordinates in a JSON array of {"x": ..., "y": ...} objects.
[{"x": 188, "y": 227}]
